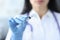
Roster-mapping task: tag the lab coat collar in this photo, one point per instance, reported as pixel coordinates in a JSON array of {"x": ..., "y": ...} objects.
[{"x": 33, "y": 13}]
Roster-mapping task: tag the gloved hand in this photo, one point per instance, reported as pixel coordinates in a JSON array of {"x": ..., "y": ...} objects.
[{"x": 18, "y": 26}]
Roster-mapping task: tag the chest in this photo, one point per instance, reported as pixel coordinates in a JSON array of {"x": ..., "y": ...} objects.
[{"x": 44, "y": 29}]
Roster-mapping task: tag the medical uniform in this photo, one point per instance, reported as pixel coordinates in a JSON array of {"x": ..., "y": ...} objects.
[{"x": 40, "y": 29}]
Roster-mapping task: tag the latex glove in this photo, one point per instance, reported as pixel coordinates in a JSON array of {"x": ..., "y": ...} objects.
[{"x": 18, "y": 31}]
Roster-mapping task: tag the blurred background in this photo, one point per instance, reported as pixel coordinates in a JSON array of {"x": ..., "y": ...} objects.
[{"x": 10, "y": 8}]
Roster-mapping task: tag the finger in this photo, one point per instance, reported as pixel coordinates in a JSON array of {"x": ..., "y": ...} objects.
[
  {"x": 12, "y": 22},
  {"x": 19, "y": 19},
  {"x": 13, "y": 25},
  {"x": 22, "y": 19}
]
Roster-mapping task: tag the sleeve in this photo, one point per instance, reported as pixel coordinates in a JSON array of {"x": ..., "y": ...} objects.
[
  {"x": 27, "y": 35},
  {"x": 9, "y": 34}
]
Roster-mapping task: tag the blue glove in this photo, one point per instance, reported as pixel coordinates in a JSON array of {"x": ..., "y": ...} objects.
[{"x": 18, "y": 31}]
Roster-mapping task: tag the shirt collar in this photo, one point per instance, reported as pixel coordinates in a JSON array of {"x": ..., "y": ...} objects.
[{"x": 33, "y": 13}]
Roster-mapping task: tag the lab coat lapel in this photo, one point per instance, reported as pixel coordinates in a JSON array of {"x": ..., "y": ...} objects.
[{"x": 37, "y": 33}]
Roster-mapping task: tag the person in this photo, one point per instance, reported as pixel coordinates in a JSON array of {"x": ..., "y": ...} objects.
[{"x": 39, "y": 20}]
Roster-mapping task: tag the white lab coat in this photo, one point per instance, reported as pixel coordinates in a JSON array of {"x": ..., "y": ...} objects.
[{"x": 43, "y": 29}]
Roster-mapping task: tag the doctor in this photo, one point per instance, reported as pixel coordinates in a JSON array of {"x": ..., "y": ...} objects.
[{"x": 39, "y": 20}]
